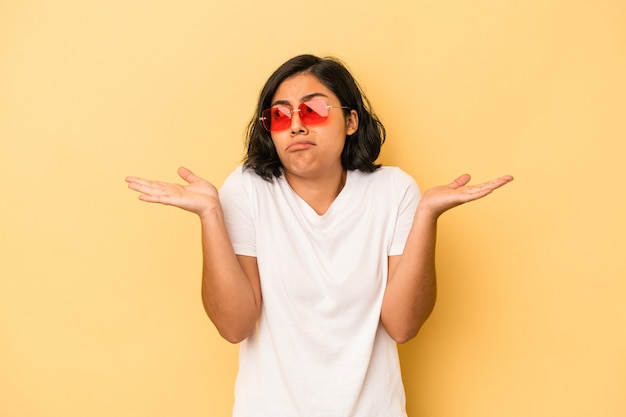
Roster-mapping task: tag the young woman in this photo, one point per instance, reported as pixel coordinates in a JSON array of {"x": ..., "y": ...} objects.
[{"x": 315, "y": 257}]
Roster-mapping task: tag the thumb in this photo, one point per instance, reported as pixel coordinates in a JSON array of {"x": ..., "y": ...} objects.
[
  {"x": 187, "y": 175},
  {"x": 460, "y": 181}
]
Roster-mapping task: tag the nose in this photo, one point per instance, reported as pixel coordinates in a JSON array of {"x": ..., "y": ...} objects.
[{"x": 296, "y": 123}]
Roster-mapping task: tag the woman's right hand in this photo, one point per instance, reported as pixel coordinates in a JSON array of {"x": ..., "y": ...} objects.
[{"x": 198, "y": 196}]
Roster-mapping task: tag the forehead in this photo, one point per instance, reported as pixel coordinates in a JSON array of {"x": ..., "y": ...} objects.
[{"x": 300, "y": 87}]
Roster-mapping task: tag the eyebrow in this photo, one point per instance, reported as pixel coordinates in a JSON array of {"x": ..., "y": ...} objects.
[{"x": 302, "y": 100}]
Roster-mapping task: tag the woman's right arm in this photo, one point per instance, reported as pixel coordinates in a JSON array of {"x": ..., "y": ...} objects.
[{"x": 231, "y": 290}]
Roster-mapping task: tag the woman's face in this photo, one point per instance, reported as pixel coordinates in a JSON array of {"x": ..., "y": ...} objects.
[{"x": 311, "y": 151}]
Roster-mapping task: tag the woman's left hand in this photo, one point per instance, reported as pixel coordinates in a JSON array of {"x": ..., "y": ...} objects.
[{"x": 438, "y": 200}]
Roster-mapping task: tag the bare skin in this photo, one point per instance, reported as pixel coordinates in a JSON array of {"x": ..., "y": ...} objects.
[
  {"x": 231, "y": 290},
  {"x": 411, "y": 288},
  {"x": 310, "y": 156}
]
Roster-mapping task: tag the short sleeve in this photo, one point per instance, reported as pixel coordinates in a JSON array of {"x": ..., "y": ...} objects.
[
  {"x": 409, "y": 196},
  {"x": 236, "y": 200}
]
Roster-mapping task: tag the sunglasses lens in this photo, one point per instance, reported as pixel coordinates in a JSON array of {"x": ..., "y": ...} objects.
[
  {"x": 313, "y": 112},
  {"x": 276, "y": 118},
  {"x": 279, "y": 118}
]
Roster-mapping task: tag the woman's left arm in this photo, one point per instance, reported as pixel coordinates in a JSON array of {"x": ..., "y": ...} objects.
[{"x": 412, "y": 285}]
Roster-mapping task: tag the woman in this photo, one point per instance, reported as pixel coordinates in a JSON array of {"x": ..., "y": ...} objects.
[{"x": 315, "y": 257}]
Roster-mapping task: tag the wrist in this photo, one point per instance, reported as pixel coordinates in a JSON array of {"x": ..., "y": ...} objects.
[
  {"x": 211, "y": 211},
  {"x": 426, "y": 213}
]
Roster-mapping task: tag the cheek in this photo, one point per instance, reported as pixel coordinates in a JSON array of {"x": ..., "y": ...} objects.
[
  {"x": 340, "y": 136},
  {"x": 278, "y": 140}
]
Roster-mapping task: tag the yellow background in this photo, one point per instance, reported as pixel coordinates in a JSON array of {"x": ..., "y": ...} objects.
[{"x": 100, "y": 313}]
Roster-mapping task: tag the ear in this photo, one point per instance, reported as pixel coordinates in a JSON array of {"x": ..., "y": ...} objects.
[{"x": 352, "y": 122}]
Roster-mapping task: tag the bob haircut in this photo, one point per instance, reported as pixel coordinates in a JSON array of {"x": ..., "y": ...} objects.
[{"x": 361, "y": 148}]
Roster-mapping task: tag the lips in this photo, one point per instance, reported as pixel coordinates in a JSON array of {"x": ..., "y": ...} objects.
[{"x": 299, "y": 146}]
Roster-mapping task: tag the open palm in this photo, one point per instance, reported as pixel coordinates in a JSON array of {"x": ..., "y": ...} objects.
[
  {"x": 439, "y": 199},
  {"x": 197, "y": 196}
]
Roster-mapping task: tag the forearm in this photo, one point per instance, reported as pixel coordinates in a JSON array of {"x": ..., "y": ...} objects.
[
  {"x": 411, "y": 286},
  {"x": 230, "y": 297},
  {"x": 231, "y": 292}
]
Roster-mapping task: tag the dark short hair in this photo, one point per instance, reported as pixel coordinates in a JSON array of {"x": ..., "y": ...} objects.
[{"x": 361, "y": 149}]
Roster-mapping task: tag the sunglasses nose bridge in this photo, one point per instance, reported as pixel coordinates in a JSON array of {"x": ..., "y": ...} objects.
[{"x": 296, "y": 120}]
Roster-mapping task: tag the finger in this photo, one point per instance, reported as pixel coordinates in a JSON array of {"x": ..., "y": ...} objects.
[
  {"x": 134, "y": 179},
  {"x": 460, "y": 181},
  {"x": 139, "y": 181},
  {"x": 498, "y": 182},
  {"x": 187, "y": 175},
  {"x": 153, "y": 198},
  {"x": 159, "y": 193},
  {"x": 144, "y": 187},
  {"x": 150, "y": 187},
  {"x": 481, "y": 190}
]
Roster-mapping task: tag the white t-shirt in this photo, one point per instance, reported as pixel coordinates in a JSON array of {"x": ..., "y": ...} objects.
[{"x": 319, "y": 349}]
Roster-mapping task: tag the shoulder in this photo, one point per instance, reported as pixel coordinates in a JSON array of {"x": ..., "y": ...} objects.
[
  {"x": 388, "y": 184},
  {"x": 243, "y": 184},
  {"x": 235, "y": 187},
  {"x": 396, "y": 174},
  {"x": 388, "y": 177},
  {"x": 237, "y": 175},
  {"x": 242, "y": 177}
]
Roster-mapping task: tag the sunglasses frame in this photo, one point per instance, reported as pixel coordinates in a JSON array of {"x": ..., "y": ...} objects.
[{"x": 266, "y": 118}]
